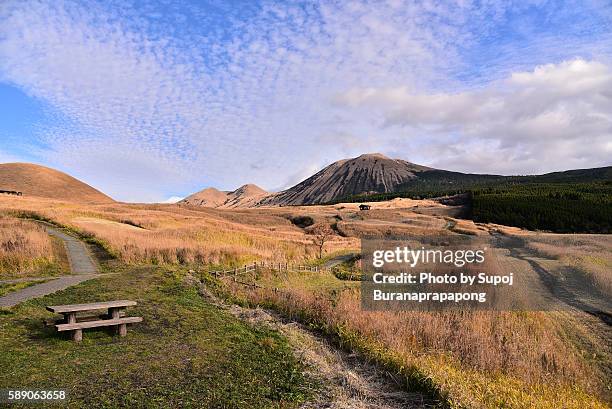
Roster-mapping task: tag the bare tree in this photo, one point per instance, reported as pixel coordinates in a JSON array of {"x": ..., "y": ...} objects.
[{"x": 321, "y": 235}]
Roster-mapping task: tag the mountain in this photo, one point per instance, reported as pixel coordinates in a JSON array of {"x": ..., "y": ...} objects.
[
  {"x": 368, "y": 173},
  {"x": 378, "y": 177},
  {"x": 245, "y": 196},
  {"x": 375, "y": 177},
  {"x": 40, "y": 181},
  {"x": 209, "y": 197}
]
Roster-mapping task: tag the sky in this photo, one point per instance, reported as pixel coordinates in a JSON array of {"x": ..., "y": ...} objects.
[{"x": 153, "y": 100}]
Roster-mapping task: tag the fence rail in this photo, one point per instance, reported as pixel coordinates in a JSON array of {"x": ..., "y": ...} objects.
[{"x": 250, "y": 268}]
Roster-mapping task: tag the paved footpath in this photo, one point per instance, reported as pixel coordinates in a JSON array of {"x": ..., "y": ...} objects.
[{"x": 81, "y": 263}]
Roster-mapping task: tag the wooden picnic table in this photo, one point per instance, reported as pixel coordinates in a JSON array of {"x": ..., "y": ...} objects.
[{"x": 115, "y": 317}]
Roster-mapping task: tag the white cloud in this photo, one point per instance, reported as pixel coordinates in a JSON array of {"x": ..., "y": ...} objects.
[
  {"x": 173, "y": 199},
  {"x": 557, "y": 116},
  {"x": 198, "y": 108}
]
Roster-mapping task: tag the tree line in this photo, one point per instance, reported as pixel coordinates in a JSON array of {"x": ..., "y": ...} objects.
[{"x": 557, "y": 207}]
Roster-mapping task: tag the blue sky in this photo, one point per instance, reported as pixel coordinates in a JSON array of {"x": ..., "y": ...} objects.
[{"x": 147, "y": 100}]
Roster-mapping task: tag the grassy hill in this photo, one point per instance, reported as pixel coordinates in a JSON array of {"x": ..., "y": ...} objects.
[
  {"x": 40, "y": 181},
  {"x": 189, "y": 352}
]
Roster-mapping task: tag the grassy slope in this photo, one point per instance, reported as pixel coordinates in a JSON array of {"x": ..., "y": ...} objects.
[
  {"x": 461, "y": 386},
  {"x": 186, "y": 352}
]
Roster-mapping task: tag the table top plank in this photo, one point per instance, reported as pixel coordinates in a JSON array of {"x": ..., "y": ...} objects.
[
  {"x": 91, "y": 306},
  {"x": 99, "y": 323}
]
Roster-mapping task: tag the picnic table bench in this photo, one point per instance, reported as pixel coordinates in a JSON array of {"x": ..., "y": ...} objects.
[{"x": 114, "y": 318}]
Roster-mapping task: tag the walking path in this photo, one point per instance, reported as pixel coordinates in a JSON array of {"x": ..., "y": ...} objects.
[
  {"x": 24, "y": 279},
  {"x": 332, "y": 262},
  {"x": 81, "y": 264}
]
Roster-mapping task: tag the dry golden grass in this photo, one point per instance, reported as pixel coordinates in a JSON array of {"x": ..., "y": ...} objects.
[
  {"x": 385, "y": 224},
  {"x": 480, "y": 359},
  {"x": 467, "y": 227},
  {"x": 174, "y": 234},
  {"x": 25, "y": 248}
]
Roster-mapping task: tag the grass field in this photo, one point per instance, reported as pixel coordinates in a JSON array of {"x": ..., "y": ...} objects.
[
  {"x": 481, "y": 360},
  {"x": 185, "y": 353},
  {"x": 169, "y": 234}
]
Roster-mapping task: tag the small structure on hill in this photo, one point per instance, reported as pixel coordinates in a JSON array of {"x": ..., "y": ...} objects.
[
  {"x": 364, "y": 207},
  {"x": 10, "y": 192}
]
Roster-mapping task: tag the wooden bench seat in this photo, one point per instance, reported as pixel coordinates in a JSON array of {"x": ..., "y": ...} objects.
[
  {"x": 99, "y": 323},
  {"x": 75, "y": 322},
  {"x": 51, "y": 322}
]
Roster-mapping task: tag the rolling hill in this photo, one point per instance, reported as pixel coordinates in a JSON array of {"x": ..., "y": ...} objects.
[
  {"x": 209, "y": 197},
  {"x": 41, "y": 181},
  {"x": 245, "y": 196}
]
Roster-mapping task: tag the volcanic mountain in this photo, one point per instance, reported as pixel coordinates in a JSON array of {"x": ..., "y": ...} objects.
[
  {"x": 368, "y": 173},
  {"x": 245, "y": 196},
  {"x": 40, "y": 181}
]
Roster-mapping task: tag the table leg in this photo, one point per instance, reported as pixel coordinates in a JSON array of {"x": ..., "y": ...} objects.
[
  {"x": 115, "y": 313},
  {"x": 77, "y": 334}
]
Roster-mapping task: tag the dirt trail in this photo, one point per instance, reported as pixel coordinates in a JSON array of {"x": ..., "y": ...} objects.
[
  {"x": 349, "y": 380},
  {"x": 81, "y": 263}
]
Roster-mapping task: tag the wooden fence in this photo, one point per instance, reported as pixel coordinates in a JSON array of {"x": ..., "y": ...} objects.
[{"x": 251, "y": 268}]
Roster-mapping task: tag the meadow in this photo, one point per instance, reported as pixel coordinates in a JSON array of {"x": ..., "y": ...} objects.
[
  {"x": 169, "y": 234},
  {"x": 468, "y": 359}
]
